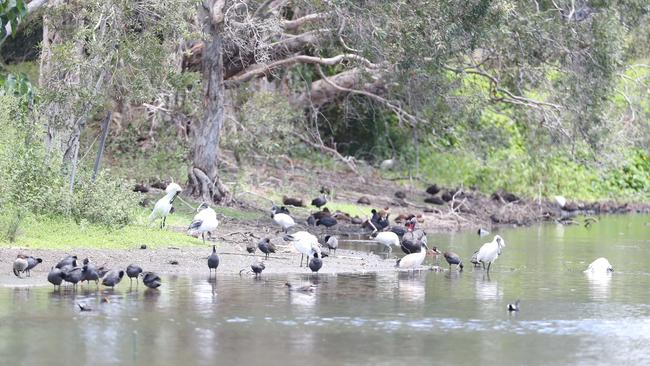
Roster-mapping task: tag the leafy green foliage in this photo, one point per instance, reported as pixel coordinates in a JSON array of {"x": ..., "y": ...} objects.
[{"x": 11, "y": 12}]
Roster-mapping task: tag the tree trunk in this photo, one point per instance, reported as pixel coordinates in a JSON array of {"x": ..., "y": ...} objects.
[
  {"x": 65, "y": 112},
  {"x": 204, "y": 175}
]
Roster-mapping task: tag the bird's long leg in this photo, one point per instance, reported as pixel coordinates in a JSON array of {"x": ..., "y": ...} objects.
[
  {"x": 301, "y": 257},
  {"x": 483, "y": 264},
  {"x": 203, "y": 237},
  {"x": 488, "y": 269}
]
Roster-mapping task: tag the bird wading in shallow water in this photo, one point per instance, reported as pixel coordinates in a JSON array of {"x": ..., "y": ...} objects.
[
  {"x": 151, "y": 280},
  {"x": 453, "y": 258},
  {"x": 489, "y": 252},
  {"x": 315, "y": 264},
  {"x": 266, "y": 247},
  {"x": 31, "y": 263},
  {"x": 20, "y": 265},
  {"x": 600, "y": 266},
  {"x": 513, "y": 307},
  {"x": 305, "y": 243},
  {"x": 133, "y": 271},
  {"x": 257, "y": 268},
  {"x": 387, "y": 238},
  {"x": 163, "y": 206},
  {"x": 112, "y": 278},
  {"x": 213, "y": 261}
]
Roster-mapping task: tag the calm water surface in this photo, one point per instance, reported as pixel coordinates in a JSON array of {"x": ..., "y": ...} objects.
[{"x": 380, "y": 319}]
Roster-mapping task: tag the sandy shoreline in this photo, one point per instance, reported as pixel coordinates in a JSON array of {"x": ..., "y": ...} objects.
[{"x": 192, "y": 261}]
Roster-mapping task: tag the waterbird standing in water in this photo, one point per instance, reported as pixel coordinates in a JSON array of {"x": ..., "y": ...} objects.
[
  {"x": 413, "y": 239},
  {"x": 414, "y": 260},
  {"x": 70, "y": 260},
  {"x": 514, "y": 307},
  {"x": 305, "y": 243},
  {"x": 266, "y": 247},
  {"x": 31, "y": 263},
  {"x": 112, "y": 278},
  {"x": 164, "y": 205},
  {"x": 257, "y": 268},
  {"x": 20, "y": 265},
  {"x": 315, "y": 263},
  {"x": 489, "y": 252},
  {"x": 55, "y": 277},
  {"x": 213, "y": 261},
  {"x": 89, "y": 273},
  {"x": 482, "y": 232},
  {"x": 453, "y": 258},
  {"x": 600, "y": 266},
  {"x": 332, "y": 243},
  {"x": 73, "y": 276},
  {"x": 387, "y": 238},
  {"x": 151, "y": 280},
  {"x": 133, "y": 271},
  {"x": 205, "y": 221}
]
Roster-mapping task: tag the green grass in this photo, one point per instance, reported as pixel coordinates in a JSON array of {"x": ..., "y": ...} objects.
[{"x": 61, "y": 233}]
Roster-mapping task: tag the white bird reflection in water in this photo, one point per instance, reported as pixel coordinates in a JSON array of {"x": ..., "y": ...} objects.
[
  {"x": 487, "y": 289},
  {"x": 411, "y": 288},
  {"x": 599, "y": 285}
]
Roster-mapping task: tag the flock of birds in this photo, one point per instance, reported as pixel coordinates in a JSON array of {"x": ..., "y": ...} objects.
[{"x": 412, "y": 241}]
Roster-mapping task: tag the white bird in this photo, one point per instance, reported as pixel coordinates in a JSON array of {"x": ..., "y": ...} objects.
[
  {"x": 283, "y": 220},
  {"x": 204, "y": 222},
  {"x": 164, "y": 205},
  {"x": 600, "y": 266},
  {"x": 305, "y": 243},
  {"x": 413, "y": 260},
  {"x": 489, "y": 252},
  {"x": 387, "y": 238}
]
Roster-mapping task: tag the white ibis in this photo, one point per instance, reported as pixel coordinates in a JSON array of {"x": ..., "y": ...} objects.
[
  {"x": 164, "y": 205},
  {"x": 205, "y": 221},
  {"x": 414, "y": 260},
  {"x": 600, "y": 266},
  {"x": 282, "y": 219},
  {"x": 387, "y": 238},
  {"x": 305, "y": 243},
  {"x": 489, "y": 252}
]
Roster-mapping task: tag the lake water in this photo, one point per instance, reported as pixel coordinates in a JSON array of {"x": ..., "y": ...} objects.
[{"x": 454, "y": 318}]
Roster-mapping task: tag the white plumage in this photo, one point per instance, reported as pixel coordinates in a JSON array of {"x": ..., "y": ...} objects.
[
  {"x": 388, "y": 238},
  {"x": 164, "y": 205},
  {"x": 601, "y": 266},
  {"x": 305, "y": 243},
  {"x": 204, "y": 221},
  {"x": 413, "y": 260},
  {"x": 283, "y": 220},
  {"x": 489, "y": 252}
]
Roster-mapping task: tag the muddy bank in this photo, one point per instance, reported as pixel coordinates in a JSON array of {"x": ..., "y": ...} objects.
[{"x": 191, "y": 261}]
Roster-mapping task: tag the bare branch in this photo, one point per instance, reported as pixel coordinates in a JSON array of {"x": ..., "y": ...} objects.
[
  {"x": 259, "y": 70},
  {"x": 320, "y": 145},
  {"x": 292, "y": 25}
]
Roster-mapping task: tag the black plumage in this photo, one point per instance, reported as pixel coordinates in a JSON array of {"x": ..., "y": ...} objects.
[
  {"x": 213, "y": 260},
  {"x": 319, "y": 201},
  {"x": 151, "y": 280},
  {"x": 257, "y": 268},
  {"x": 55, "y": 277},
  {"x": 311, "y": 220},
  {"x": 266, "y": 247},
  {"x": 433, "y": 189},
  {"x": 513, "y": 307},
  {"x": 399, "y": 230},
  {"x": 315, "y": 264},
  {"x": 31, "y": 263},
  {"x": 278, "y": 210},
  {"x": 73, "y": 276},
  {"x": 69, "y": 260},
  {"x": 378, "y": 221},
  {"x": 89, "y": 273},
  {"x": 434, "y": 200},
  {"x": 112, "y": 278},
  {"x": 453, "y": 258},
  {"x": 133, "y": 271},
  {"x": 327, "y": 221},
  {"x": 446, "y": 196}
]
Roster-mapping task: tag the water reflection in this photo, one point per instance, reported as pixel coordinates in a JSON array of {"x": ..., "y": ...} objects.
[
  {"x": 487, "y": 289},
  {"x": 599, "y": 285}
]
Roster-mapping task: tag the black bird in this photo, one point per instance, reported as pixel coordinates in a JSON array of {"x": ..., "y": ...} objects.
[
  {"x": 474, "y": 260},
  {"x": 311, "y": 220},
  {"x": 433, "y": 189},
  {"x": 133, "y": 271},
  {"x": 413, "y": 238},
  {"x": 83, "y": 307},
  {"x": 31, "y": 263},
  {"x": 379, "y": 222},
  {"x": 307, "y": 288},
  {"x": 319, "y": 201},
  {"x": 446, "y": 196},
  {"x": 327, "y": 221},
  {"x": 453, "y": 258},
  {"x": 292, "y": 201},
  {"x": 69, "y": 260},
  {"x": 258, "y": 268},
  {"x": 251, "y": 247},
  {"x": 331, "y": 242},
  {"x": 213, "y": 260},
  {"x": 482, "y": 232},
  {"x": 112, "y": 278},
  {"x": 279, "y": 210},
  {"x": 434, "y": 200},
  {"x": 73, "y": 276},
  {"x": 315, "y": 263},
  {"x": 89, "y": 273},
  {"x": 151, "y": 279},
  {"x": 266, "y": 247},
  {"x": 55, "y": 277},
  {"x": 514, "y": 307},
  {"x": 399, "y": 230}
]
